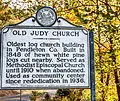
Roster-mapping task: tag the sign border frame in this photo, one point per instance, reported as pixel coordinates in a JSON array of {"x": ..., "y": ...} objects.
[{"x": 54, "y": 27}]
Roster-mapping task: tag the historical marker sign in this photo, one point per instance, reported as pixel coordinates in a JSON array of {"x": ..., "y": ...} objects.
[{"x": 45, "y": 57}]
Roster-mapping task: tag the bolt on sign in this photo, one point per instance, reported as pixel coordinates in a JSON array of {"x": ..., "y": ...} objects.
[{"x": 45, "y": 51}]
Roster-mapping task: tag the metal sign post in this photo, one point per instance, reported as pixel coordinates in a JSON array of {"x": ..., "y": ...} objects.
[
  {"x": 20, "y": 95},
  {"x": 92, "y": 70}
]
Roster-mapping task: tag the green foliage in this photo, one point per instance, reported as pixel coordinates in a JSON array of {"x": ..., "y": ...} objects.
[
  {"x": 63, "y": 92},
  {"x": 69, "y": 95},
  {"x": 34, "y": 95}
]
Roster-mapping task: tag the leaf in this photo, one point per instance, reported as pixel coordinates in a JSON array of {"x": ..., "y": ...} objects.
[{"x": 87, "y": 9}]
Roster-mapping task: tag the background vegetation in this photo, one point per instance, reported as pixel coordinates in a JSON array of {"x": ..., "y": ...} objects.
[{"x": 100, "y": 16}]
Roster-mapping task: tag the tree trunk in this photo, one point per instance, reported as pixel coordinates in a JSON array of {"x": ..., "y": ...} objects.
[{"x": 113, "y": 57}]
